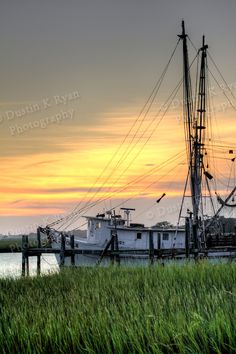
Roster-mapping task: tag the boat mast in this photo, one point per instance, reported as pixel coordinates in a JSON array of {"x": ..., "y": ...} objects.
[
  {"x": 187, "y": 92},
  {"x": 194, "y": 134},
  {"x": 188, "y": 127},
  {"x": 199, "y": 141}
]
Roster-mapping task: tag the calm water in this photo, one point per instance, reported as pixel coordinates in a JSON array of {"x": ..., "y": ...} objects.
[{"x": 10, "y": 264}]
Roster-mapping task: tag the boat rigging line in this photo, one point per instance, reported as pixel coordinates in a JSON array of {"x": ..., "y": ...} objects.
[
  {"x": 119, "y": 190},
  {"x": 147, "y": 105},
  {"x": 124, "y": 188},
  {"x": 151, "y": 184},
  {"x": 167, "y": 104}
]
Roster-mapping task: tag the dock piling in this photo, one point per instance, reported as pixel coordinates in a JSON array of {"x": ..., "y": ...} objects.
[
  {"x": 151, "y": 247},
  {"x": 39, "y": 256},
  {"x": 112, "y": 257},
  {"x": 63, "y": 248},
  {"x": 72, "y": 245},
  {"x": 116, "y": 244},
  {"x": 25, "y": 257},
  {"x": 187, "y": 237}
]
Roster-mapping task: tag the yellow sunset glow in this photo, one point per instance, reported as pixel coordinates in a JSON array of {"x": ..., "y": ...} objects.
[{"x": 46, "y": 183}]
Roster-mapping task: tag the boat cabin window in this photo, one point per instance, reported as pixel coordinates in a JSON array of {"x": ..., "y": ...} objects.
[
  {"x": 165, "y": 236},
  {"x": 139, "y": 235},
  {"x": 98, "y": 225}
]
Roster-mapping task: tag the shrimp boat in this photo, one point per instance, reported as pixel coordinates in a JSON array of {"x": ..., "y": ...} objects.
[
  {"x": 110, "y": 231},
  {"x": 132, "y": 239}
]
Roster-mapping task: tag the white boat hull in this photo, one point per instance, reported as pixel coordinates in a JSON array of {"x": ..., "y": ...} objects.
[{"x": 92, "y": 260}]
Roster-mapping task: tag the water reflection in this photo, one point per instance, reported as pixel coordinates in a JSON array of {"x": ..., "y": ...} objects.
[{"x": 10, "y": 264}]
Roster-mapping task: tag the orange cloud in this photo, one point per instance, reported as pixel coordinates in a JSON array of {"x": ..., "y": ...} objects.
[{"x": 50, "y": 181}]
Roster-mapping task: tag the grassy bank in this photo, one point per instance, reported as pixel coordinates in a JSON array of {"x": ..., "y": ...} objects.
[
  {"x": 12, "y": 244},
  {"x": 171, "y": 309}
]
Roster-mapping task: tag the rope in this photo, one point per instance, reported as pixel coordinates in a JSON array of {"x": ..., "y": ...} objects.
[
  {"x": 150, "y": 99},
  {"x": 170, "y": 99},
  {"x": 137, "y": 179}
]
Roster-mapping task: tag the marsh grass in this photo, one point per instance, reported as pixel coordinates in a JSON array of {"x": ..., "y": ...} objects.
[
  {"x": 13, "y": 244},
  {"x": 171, "y": 309}
]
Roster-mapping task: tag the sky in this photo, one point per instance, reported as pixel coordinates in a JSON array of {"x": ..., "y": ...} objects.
[{"x": 74, "y": 78}]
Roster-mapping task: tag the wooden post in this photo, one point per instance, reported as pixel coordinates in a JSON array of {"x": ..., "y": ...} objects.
[
  {"x": 27, "y": 264},
  {"x": 105, "y": 249},
  {"x": 158, "y": 245},
  {"x": 72, "y": 245},
  {"x": 39, "y": 246},
  {"x": 187, "y": 237},
  {"x": 116, "y": 244},
  {"x": 112, "y": 247},
  {"x": 195, "y": 240},
  {"x": 151, "y": 247},
  {"x": 25, "y": 258},
  {"x": 63, "y": 247}
]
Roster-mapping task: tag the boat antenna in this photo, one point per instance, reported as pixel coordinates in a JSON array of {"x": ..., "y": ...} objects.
[
  {"x": 127, "y": 213},
  {"x": 158, "y": 200}
]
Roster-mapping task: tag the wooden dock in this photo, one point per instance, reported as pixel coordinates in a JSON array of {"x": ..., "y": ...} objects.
[{"x": 113, "y": 252}]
